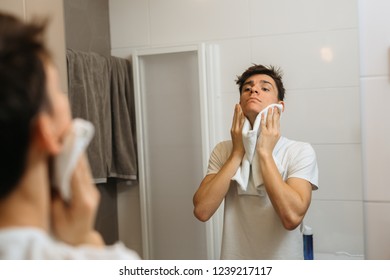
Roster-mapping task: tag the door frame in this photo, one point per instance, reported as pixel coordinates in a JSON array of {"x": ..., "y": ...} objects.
[{"x": 208, "y": 71}]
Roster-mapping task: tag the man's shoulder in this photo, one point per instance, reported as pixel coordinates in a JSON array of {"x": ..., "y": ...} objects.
[
  {"x": 286, "y": 145},
  {"x": 224, "y": 145}
]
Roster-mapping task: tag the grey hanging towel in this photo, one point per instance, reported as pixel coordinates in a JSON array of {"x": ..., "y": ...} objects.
[
  {"x": 101, "y": 91},
  {"x": 89, "y": 96},
  {"x": 123, "y": 161}
]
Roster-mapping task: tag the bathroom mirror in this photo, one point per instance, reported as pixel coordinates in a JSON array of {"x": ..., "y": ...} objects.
[{"x": 320, "y": 58}]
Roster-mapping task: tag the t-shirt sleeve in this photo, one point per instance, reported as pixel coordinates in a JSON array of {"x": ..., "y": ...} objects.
[
  {"x": 218, "y": 157},
  {"x": 305, "y": 165},
  {"x": 117, "y": 251}
]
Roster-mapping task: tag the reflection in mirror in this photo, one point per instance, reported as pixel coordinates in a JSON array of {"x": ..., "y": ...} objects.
[{"x": 320, "y": 61}]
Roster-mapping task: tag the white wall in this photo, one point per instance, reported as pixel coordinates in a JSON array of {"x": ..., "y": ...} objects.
[
  {"x": 375, "y": 91},
  {"x": 315, "y": 42}
]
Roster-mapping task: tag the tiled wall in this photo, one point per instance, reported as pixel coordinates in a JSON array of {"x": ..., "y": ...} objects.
[
  {"x": 319, "y": 54},
  {"x": 53, "y": 10},
  {"x": 375, "y": 89},
  {"x": 87, "y": 29},
  {"x": 87, "y": 26}
]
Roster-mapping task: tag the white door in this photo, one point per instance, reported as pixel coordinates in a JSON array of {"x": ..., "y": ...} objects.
[{"x": 172, "y": 149}]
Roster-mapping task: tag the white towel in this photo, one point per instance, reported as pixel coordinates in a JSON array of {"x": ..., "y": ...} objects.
[{"x": 249, "y": 182}]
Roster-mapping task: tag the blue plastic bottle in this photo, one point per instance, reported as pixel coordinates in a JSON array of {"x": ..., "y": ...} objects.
[{"x": 308, "y": 243}]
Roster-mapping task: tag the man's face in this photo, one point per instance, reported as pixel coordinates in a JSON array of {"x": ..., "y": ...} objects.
[{"x": 257, "y": 93}]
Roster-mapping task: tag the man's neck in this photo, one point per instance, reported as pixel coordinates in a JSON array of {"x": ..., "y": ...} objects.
[{"x": 28, "y": 205}]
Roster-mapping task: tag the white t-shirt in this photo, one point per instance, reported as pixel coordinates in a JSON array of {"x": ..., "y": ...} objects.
[
  {"x": 252, "y": 229},
  {"x": 28, "y": 243}
]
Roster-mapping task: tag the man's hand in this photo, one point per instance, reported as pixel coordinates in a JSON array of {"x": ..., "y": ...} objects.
[
  {"x": 270, "y": 132},
  {"x": 214, "y": 187},
  {"x": 236, "y": 132},
  {"x": 73, "y": 223}
]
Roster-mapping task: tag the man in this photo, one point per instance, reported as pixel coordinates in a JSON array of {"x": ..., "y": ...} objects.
[
  {"x": 261, "y": 219},
  {"x": 35, "y": 223}
]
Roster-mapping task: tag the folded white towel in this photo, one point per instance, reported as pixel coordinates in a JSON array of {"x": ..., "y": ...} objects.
[{"x": 249, "y": 181}]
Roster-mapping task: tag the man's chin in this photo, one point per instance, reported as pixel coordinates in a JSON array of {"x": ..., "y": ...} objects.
[{"x": 254, "y": 110}]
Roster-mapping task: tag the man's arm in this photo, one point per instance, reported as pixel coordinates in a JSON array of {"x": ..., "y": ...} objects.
[
  {"x": 214, "y": 187},
  {"x": 73, "y": 223},
  {"x": 290, "y": 199}
]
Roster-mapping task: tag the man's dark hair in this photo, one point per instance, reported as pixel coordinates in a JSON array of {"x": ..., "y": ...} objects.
[
  {"x": 22, "y": 93},
  {"x": 275, "y": 73}
]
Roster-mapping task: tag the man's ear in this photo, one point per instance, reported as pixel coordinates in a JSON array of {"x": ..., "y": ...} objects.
[
  {"x": 282, "y": 102},
  {"x": 46, "y": 134}
]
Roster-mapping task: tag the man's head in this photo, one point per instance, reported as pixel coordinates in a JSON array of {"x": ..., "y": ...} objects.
[
  {"x": 275, "y": 73},
  {"x": 26, "y": 93},
  {"x": 259, "y": 87}
]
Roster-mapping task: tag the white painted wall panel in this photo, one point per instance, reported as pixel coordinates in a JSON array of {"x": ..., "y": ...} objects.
[
  {"x": 374, "y": 37},
  {"x": 312, "y": 60},
  {"x": 377, "y": 230},
  {"x": 330, "y": 115},
  {"x": 178, "y": 21},
  {"x": 129, "y": 23},
  {"x": 341, "y": 169},
  {"x": 235, "y": 56},
  {"x": 374, "y": 29},
  {"x": 375, "y": 98},
  {"x": 337, "y": 227},
  {"x": 285, "y": 16}
]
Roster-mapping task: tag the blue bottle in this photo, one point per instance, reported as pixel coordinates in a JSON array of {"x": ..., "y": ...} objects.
[{"x": 308, "y": 243}]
